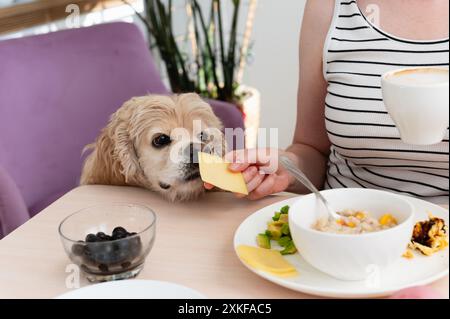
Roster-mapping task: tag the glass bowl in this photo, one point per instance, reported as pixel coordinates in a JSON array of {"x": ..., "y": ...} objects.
[{"x": 102, "y": 257}]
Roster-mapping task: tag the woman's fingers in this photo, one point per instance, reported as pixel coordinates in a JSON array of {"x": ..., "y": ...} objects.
[
  {"x": 251, "y": 178},
  {"x": 255, "y": 182},
  {"x": 241, "y": 159},
  {"x": 238, "y": 167},
  {"x": 233, "y": 156},
  {"x": 250, "y": 173},
  {"x": 236, "y": 159},
  {"x": 252, "y": 156},
  {"x": 259, "y": 169},
  {"x": 264, "y": 188}
]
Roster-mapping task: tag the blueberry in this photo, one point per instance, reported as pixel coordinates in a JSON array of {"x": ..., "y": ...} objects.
[
  {"x": 122, "y": 250},
  {"x": 115, "y": 247},
  {"x": 118, "y": 235},
  {"x": 126, "y": 264},
  {"x": 104, "y": 250},
  {"x": 123, "y": 255},
  {"x": 101, "y": 257},
  {"x": 119, "y": 230},
  {"x": 91, "y": 238},
  {"x": 108, "y": 253},
  {"x": 103, "y": 237},
  {"x": 78, "y": 249},
  {"x": 102, "y": 253},
  {"x": 135, "y": 247},
  {"x": 122, "y": 245},
  {"x": 103, "y": 268},
  {"x": 87, "y": 251}
]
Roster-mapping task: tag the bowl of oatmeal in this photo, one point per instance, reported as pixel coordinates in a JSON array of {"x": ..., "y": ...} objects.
[
  {"x": 355, "y": 222},
  {"x": 372, "y": 233}
]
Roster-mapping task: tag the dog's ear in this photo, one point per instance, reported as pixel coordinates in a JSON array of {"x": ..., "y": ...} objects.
[
  {"x": 113, "y": 160},
  {"x": 100, "y": 167},
  {"x": 124, "y": 149}
]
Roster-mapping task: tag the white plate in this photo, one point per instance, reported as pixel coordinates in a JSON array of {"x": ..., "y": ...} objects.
[
  {"x": 405, "y": 273},
  {"x": 133, "y": 289}
]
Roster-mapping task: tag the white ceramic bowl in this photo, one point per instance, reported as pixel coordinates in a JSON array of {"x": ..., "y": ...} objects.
[{"x": 352, "y": 256}]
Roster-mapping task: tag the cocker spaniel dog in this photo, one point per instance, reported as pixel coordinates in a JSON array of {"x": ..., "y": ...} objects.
[{"x": 152, "y": 142}]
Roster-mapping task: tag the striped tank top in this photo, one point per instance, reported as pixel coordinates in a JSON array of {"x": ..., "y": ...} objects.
[{"x": 366, "y": 148}]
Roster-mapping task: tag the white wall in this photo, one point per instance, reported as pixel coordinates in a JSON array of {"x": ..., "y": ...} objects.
[{"x": 274, "y": 71}]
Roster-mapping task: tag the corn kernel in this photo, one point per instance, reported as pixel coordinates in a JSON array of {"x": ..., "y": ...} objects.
[
  {"x": 408, "y": 254},
  {"x": 387, "y": 219},
  {"x": 360, "y": 215},
  {"x": 351, "y": 224}
]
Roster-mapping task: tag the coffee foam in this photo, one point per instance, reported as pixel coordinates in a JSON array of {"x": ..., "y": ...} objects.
[{"x": 419, "y": 76}]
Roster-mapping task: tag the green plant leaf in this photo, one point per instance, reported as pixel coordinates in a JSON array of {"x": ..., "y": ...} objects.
[{"x": 215, "y": 60}]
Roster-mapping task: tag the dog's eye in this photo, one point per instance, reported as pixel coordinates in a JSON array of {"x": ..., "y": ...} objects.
[
  {"x": 203, "y": 136},
  {"x": 161, "y": 141}
]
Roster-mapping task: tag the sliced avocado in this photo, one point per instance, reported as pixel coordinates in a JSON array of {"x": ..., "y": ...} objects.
[
  {"x": 277, "y": 223},
  {"x": 289, "y": 249},
  {"x": 284, "y": 209},
  {"x": 285, "y": 229},
  {"x": 284, "y": 218},
  {"x": 276, "y": 217},
  {"x": 284, "y": 241},
  {"x": 263, "y": 241},
  {"x": 275, "y": 231}
]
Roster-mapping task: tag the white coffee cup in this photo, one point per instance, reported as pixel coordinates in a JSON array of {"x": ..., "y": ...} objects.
[{"x": 417, "y": 99}]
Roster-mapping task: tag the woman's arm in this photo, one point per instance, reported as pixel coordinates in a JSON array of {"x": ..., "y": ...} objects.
[{"x": 310, "y": 147}]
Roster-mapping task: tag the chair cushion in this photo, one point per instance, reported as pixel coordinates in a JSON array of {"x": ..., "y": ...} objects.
[
  {"x": 13, "y": 211},
  {"x": 57, "y": 91}
]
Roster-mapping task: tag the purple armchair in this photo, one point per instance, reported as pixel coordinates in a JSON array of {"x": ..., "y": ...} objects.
[{"x": 56, "y": 93}]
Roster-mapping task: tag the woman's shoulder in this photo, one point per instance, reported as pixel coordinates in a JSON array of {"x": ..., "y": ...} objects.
[{"x": 318, "y": 15}]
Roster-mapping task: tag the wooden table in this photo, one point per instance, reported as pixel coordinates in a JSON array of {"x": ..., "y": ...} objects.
[{"x": 193, "y": 246}]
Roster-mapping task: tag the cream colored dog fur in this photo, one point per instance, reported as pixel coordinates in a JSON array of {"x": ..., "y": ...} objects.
[{"x": 152, "y": 142}]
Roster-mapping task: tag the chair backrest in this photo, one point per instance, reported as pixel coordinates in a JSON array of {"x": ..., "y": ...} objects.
[
  {"x": 13, "y": 211},
  {"x": 56, "y": 92}
]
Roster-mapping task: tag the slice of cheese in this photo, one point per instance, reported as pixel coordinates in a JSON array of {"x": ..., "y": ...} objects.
[
  {"x": 267, "y": 260},
  {"x": 214, "y": 170}
]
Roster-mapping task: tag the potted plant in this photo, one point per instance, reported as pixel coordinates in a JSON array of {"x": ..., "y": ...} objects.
[{"x": 206, "y": 59}]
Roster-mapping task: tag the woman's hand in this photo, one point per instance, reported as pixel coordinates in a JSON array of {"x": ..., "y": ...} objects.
[{"x": 261, "y": 171}]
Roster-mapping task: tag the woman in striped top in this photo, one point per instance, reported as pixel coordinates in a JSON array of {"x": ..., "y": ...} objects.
[{"x": 344, "y": 136}]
